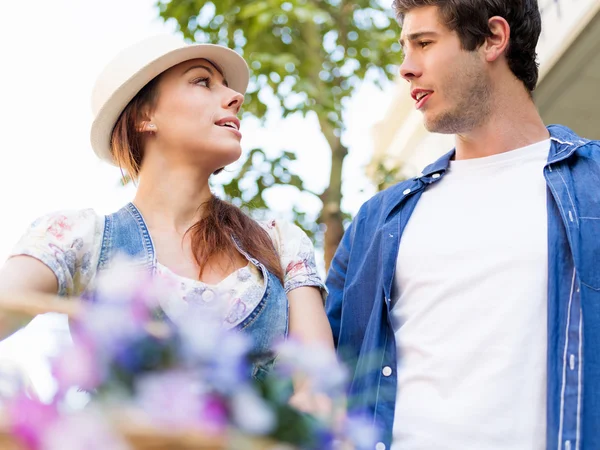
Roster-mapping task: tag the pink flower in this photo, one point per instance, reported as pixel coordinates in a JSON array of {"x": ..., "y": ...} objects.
[
  {"x": 30, "y": 420},
  {"x": 78, "y": 366}
]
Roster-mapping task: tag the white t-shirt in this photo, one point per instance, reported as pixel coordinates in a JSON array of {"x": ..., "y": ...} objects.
[{"x": 470, "y": 308}]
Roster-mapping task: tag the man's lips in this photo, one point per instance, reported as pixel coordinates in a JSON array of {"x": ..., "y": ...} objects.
[{"x": 420, "y": 96}]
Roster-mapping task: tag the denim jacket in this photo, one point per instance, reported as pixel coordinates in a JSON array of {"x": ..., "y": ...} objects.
[
  {"x": 362, "y": 271},
  {"x": 126, "y": 234}
]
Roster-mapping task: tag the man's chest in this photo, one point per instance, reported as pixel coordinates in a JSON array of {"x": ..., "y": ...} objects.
[{"x": 498, "y": 221}]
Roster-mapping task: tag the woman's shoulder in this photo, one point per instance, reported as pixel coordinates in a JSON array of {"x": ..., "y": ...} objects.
[
  {"x": 67, "y": 241},
  {"x": 283, "y": 232},
  {"x": 297, "y": 255},
  {"x": 64, "y": 222}
]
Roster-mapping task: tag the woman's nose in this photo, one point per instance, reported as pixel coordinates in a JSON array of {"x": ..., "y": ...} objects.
[{"x": 234, "y": 100}]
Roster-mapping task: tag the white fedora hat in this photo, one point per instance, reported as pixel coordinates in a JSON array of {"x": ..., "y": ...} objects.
[{"x": 134, "y": 67}]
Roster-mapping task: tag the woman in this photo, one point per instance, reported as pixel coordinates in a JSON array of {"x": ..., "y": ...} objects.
[{"x": 165, "y": 113}]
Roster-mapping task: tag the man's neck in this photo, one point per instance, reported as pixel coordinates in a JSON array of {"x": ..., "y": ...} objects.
[{"x": 514, "y": 123}]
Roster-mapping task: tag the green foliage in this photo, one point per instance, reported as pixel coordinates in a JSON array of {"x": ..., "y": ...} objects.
[
  {"x": 257, "y": 175},
  {"x": 306, "y": 56},
  {"x": 386, "y": 176}
]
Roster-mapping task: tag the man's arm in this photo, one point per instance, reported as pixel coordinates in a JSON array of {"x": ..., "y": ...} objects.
[{"x": 336, "y": 281}]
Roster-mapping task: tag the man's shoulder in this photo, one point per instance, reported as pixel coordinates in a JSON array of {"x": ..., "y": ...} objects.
[{"x": 385, "y": 200}]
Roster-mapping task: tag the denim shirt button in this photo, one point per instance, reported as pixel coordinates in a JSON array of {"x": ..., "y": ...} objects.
[
  {"x": 435, "y": 175},
  {"x": 380, "y": 446},
  {"x": 567, "y": 445},
  {"x": 406, "y": 191},
  {"x": 387, "y": 371}
]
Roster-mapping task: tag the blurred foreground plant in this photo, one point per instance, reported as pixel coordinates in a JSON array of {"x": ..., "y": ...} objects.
[{"x": 183, "y": 377}]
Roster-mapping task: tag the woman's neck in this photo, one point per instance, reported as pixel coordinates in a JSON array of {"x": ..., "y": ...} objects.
[{"x": 171, "y": 200}]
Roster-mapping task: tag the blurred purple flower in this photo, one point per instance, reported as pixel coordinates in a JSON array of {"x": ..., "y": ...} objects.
[
  {"x": 251, "y": 413},
  {"x": 219, "y": 354},
  {"x": 169, "y": 398},
  {"x": 82, "y": 431},
  {"x": 31, "y": 419},
  {"x": 230, "y": 368},
  {"x": 78, "y": 366},
  {"x": 360, "y": 431},
  {"x": 214, "y": 416},
  {"x": 316, "y": 362},
  {"x": 177, "y": 399}
]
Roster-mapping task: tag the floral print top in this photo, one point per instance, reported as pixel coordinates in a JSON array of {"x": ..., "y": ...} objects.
[{"x": 69, "y": 244}]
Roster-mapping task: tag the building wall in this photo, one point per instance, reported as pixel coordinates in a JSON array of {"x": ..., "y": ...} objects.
[{"x": 400, "y": 139}]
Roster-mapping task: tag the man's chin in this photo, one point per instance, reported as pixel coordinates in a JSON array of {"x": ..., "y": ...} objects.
[
  {"x": 438, "y": 125},
  {"x": 434, "y": 127}
]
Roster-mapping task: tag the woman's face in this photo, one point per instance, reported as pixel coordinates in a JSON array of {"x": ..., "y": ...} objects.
[{"x": 195, "y": 116}]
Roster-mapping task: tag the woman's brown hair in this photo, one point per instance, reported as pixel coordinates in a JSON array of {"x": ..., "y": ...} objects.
[{"x": 211, "y": 235}]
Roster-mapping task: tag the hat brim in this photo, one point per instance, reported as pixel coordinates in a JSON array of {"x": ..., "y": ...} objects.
[{"x": 234, "y": 68}]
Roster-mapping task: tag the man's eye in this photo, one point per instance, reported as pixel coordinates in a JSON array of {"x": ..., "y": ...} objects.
[{"x": 424, "y": 44}]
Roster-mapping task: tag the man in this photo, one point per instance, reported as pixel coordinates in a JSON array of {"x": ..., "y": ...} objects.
[{"x": 467, "y": 301}]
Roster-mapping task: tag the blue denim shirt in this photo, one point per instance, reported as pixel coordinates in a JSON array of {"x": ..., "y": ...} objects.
[
  {"x": 126, "y": 234},
  {"x": 362, "y": 271}
]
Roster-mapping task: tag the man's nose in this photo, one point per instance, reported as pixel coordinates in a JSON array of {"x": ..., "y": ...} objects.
[{"x": 409, "y": 69}]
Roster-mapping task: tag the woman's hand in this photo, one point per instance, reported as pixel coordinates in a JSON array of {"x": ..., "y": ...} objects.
[
  {"x": 319, "y": 405},
  {"x": 309, "y": 325}
]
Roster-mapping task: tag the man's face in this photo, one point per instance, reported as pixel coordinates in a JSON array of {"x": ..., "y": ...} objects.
[{"x": 449, "y": 85}]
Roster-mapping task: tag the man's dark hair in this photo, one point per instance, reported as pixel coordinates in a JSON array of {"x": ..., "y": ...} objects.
[{"x": 469, "y": 18}]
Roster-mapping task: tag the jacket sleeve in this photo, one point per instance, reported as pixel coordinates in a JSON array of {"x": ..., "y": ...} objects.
[{"x": 336, "y": 281}]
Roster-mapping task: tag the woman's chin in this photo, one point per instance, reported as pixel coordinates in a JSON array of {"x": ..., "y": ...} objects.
[{"x": 226, "y": 157}]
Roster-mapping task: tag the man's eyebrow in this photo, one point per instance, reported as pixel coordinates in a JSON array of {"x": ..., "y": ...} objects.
[
  {"x": 208, "y": 69},
  {"x": 416, "y": 36}
]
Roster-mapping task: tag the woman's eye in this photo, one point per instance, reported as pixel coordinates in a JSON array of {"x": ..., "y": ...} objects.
[
  {"x": 424, "y": 44},
  {"x": 202, "y": 82}
]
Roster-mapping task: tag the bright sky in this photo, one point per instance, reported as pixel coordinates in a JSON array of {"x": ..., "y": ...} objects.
[{"x": 51, "y": 54}]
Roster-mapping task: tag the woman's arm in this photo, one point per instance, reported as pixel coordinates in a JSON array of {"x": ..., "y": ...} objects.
[
  {"x": 22, "y": 275},
  {"x": 55, "y": 256},
  {"x": 308, "y": 321},
  {"x": 25, "y": 273},
  {"x": 309, "y": 325}
]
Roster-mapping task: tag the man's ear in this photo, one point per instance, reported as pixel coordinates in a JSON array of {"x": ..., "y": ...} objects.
[{"x": 496, "y": 44}]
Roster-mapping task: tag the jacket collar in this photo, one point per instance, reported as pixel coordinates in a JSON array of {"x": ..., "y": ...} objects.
[
  {"x": 565, "y": 140},
  {"x": 564, "y": 143}
]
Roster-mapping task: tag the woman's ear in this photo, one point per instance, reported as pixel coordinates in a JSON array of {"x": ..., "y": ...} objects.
[
  {"x": 147, "y": 127},
  {"x": 497, "y": 42}
]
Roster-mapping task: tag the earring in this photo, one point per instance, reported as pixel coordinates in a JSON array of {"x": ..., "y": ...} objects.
[{"x": 152, "y": 126}]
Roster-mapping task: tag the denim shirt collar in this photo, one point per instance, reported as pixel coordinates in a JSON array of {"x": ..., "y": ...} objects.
[
  {"x": 565, "y": 140},
  {"x": 564, "y": 144}
]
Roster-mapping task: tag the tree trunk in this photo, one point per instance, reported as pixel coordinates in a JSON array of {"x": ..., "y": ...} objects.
[{"x": 331, "y": 215}]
